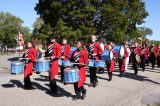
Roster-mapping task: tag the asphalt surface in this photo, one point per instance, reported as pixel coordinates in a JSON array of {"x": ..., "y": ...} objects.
[{"x": 130, "y": 90}]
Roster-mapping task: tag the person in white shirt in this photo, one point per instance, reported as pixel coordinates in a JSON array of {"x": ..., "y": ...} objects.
[{"x": 127, "y": 58}]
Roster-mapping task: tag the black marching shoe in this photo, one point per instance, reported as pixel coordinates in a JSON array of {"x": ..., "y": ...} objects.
[
  {"x": 78, "y": 96},
  {"x": 135, "y": 73},
  {"x": 90, "y": 85},
  {"x": 83, "y": 95},
  {"x": 95, "y": 84},
  {"x": 143, "y": 70},
  {"x": 29, "y": 88}
]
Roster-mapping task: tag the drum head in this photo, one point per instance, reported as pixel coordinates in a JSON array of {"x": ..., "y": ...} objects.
[
  {"x": 17, "y": 63},
  {"x": 111, "y": 55},
  {"x": 70, "y": 70},
  {"x": 122, "y": 51},
  {"x": 43, "y": 60}
]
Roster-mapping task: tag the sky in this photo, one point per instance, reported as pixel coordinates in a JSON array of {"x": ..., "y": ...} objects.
[{"x": 25, "y": 10}]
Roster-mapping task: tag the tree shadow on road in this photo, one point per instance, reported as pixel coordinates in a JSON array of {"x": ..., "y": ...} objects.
[{"x": 139, "y": 77}]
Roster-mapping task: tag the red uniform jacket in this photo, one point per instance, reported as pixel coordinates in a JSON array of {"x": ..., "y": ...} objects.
[
  {"x": 57, "y": 52},
  {"x": 146, "y": 53},
  {"x": 32, "y": 56},
  {"x": 124, "y": 59},
  {"x": 83, "y": 58},
  {"x": 154, "y": 50},
  {"x": 97, "y": 50},
  {"x": 137, "y": 50},
  {"x": 113, "y": 62},
  {"x": 106, "y": 47},
  {"x": 67, "y": 51}
]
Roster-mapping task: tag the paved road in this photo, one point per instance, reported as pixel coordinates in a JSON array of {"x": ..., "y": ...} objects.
[{"x": 127, "y": 91}]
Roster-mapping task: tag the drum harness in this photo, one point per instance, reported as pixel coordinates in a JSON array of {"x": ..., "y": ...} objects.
[
  {"x": 91, "y": 48},
  {"x": 76, "y": 58}
]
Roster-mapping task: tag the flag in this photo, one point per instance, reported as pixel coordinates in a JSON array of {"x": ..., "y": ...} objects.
[{"x": 20, "y": 39}]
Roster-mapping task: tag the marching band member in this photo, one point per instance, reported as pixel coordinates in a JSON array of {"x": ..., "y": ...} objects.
[
  {"x": 65, "y": 55},
  {"x": 30, "y": 53},
  {"x": 144, "y": 56},
  {"x": 94, "y": 50},
  {"x": 39, "y": 52},
  {"x": 54, "y": 51},
  {"x": 136, "y": 51},
  {"x": 154, "y": 54},
  {"x": 111, "y": 64},
  {"x": 80, "y": 56},
  {"x": 128, "y": 57},
  {"x": 122, "y": 61},
  {"x": 158, "y": 61},
  {"x": 106, "y": 47}
]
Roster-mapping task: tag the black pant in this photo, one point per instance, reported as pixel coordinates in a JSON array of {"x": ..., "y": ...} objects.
[
  {"x": 62, "y": 73},
  {"x": 147, "y": 61},
  {"x": 158, "y": 61},
  {"x": 27, "y": 82},
  {"x": 153, "y": 60},
  {"x": 109, "y": 73},
  {"x": 93, "y": 75},
  {"x": 80, "y": 90},
  {"x": 143, "y": 62},
  {"x": 135, "y": 66},
  {"x": 53, "y": 86},
  {"x": 120, "y": 65}
]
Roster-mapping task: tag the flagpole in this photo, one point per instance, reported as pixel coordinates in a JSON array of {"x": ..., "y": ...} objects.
[{"x": 18, "y": 38}]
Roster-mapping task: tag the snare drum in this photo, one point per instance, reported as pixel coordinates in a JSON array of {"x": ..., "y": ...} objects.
[
  {"x": 100, "y": 64},
  {"x": 71, "y": 75},
  {"x": 107, "y": 55},
  {"x": 17, "y": 67},
  {"x": 60, "y": 62},
  {"x": 91, "y": 63},
  {"x": 64, "y": 63},
  {"x": 42, "y": 65},
  {"x": 119, "y": 50}
]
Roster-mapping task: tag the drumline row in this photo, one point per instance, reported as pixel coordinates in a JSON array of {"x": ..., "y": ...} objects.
[{"x": 70, "y": 74}]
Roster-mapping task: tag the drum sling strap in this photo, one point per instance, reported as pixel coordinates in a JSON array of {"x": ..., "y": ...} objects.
[
  {"x": 91, "y": 48},
  {"x": 143, "y": 51},
  {"x": 76, "y": 56},
  {"x": 135, "y": 50},
  {"x": 50, "y": 48},
  {"x": 152, "y": 50},
  {"x": 26, "y": 53},
  {"x": 63, "y": 48}
]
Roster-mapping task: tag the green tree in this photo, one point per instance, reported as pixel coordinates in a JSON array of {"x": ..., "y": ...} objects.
[
  {"x": 72, "y": 19},
  {"x": 120, "y": 18},
  {"x": 114, "y": 20},
  {"x": 9, "y": 29},
  {"x": 146, "y": 32},
  {"x": 26, "y": 32},
  {"x": 10, "y": 26}
]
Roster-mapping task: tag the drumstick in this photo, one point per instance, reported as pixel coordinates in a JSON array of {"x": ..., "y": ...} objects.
[
  {"x": 77, "y": 63},
  {"x": 25, "y": 58}
]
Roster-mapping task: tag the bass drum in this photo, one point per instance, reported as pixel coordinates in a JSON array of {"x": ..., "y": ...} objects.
[
  {"x": 107, "y": 55},
  {"x": 119, "y": 50}
]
